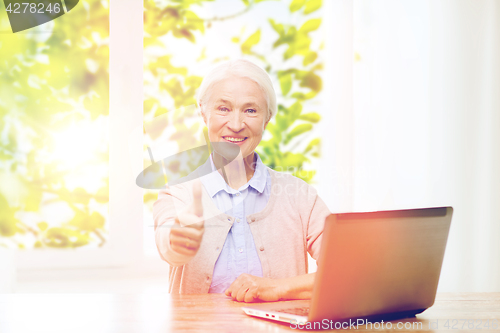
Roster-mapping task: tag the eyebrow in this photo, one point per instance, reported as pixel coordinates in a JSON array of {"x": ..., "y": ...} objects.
[
  {"x": 221, "y": 100},
  {"x": 250, "y": 104}
]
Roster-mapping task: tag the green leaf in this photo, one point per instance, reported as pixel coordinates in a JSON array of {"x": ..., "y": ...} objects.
[
  {"x": 275, "y": 131},
  {"x": 296, "y": 5},
  {"x": 64, "y": 238},
  {"x": 309, "y": 58},
  {"x": 7, "y": 226},
  {"x": 314, "y": 143},
  {"x": 293, "y": 160},
  {"x": 286, "y": 84},
  {"x": 305, "y": 175},
  {"x": 250, "y": 42},
  {"x": 97, "y": 220},
  {"x": 184, "y": 33},
  {"x": 42, "y": 226},
  {"x": 282, "y": 109},
  {"x": 295, "y": 110},
  {"x": 194, "y": 21},
  {"x": 299, "y": 95},
  {"x": 310, "y": 25},
  {"x": 57, "y": 237},
  {"x": 193, "y": 81},
  {"x": 313, "y": 81},
  {"x": 311, "y": 94},
  {"x": 312, "y": 117},
  {"x": 312, "y": 5},
  {"x": 282, "y": 122},
  {"x": 277, "y": 27},
  {"x": 298, "y": 130},
  {"x": 160, "y": 111},
  {"x": 245, "y": 2}
]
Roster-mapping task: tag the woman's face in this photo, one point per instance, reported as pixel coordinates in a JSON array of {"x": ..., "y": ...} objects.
[{"x": 236, "y": 112}]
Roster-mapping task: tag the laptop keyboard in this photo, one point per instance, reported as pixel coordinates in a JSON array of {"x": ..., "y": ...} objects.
[{"x": 303, "y": 311}]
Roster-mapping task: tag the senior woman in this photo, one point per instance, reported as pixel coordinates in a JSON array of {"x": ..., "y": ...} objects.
[{"x": 244, "y": 229}]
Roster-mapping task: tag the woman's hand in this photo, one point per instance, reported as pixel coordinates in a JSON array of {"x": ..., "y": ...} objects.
[
  {"x": 249, "y": 288},
  {"x": 187, "y": 233}
]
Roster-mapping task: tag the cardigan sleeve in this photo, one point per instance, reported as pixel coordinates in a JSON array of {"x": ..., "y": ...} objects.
[
  {"x": 318, "y": 212},
  {"x": 171, "y": 201}
]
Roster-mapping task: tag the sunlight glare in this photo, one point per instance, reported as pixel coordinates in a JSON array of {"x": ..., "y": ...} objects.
[{"x": 79, "y": 144}]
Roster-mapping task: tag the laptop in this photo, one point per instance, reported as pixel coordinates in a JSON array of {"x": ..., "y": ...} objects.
[{"x": 373, "y": 265}]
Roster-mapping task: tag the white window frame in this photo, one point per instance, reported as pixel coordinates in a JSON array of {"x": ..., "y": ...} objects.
[
  {"x": 335, "y": 177},
  {"x": 124, "y": 245}
]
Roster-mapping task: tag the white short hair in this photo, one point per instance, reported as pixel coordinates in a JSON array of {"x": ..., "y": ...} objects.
[{"x": 239, "y": 68}]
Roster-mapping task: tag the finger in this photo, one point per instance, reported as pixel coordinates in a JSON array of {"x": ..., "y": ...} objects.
[
  {"x": 181, "y": 249},
  {"x": 197, "y": 204},
  {"x": 189, "y": 233},
  {"x": 251, "y": 295},
  {"x": 184, "y": 245},
  {"x": 240, "y": 296},
  {"x": 233, "y": 285},
  {"x": 237, "y": 290},
  {"x": 177, "y": 222},
  {"x": 185, "y": 242}
]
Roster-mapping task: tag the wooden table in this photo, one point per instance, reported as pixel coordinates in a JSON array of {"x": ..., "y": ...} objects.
[{"x": 149, "y": 313}]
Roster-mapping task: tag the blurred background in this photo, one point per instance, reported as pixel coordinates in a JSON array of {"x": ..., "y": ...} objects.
[{"x": 382, "y": 105}]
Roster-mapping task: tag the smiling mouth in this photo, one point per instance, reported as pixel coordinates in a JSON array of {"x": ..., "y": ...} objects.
[{"x": 233, "y": 139}]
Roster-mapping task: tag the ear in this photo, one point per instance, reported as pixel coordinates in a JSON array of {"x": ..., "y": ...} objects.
[
  {"x": 203, "y": 115},
  {"x": 267, "y": 122}
]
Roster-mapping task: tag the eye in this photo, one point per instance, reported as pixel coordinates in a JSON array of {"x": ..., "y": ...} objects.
[
  {"x": 223, "y": 109},
  {"x": 251, "y": 110}
]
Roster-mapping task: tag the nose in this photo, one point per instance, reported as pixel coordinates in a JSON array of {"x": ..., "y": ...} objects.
[{"x": 236, "y": 122}]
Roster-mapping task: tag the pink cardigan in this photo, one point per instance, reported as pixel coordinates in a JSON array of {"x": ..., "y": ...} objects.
[{"x": 289, "y": 226}]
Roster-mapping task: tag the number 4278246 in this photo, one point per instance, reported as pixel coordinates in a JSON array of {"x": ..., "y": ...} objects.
[{"x": 33, "y": 8}]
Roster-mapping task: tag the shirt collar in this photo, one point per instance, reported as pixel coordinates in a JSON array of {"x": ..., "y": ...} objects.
[{"x": 214, "y": 182}]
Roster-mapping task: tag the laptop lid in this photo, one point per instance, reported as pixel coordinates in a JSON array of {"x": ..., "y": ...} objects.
[{"x": 379, "y": 263}]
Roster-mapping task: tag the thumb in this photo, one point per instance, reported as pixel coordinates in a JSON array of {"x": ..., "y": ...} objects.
[
  {"x": 177, "y": 222},
  {"x": 197, "y": 205}
]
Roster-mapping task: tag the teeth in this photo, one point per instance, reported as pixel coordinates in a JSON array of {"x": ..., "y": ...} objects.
[{"x": 234, "y": 139}]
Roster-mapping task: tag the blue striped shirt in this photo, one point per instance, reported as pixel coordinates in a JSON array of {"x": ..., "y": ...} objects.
[{"x": 238, "y": 254}]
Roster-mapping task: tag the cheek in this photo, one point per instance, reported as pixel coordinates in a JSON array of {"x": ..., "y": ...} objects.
[
  {"x": 215, "y": 124},
  {"x": 259, "y": 128}
]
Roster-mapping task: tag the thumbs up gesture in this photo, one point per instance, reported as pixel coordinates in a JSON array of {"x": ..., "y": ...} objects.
[{"x": 187, "y": 232}]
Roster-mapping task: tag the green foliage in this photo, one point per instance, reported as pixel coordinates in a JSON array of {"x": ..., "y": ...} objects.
[
  {"x": 310, "y": 5},
  {"x": 7, "y": 221},
  {"x": 251, "y": 41},
  {"x": 289, "y": 143},
  {"x": 53, "y": 79}
]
